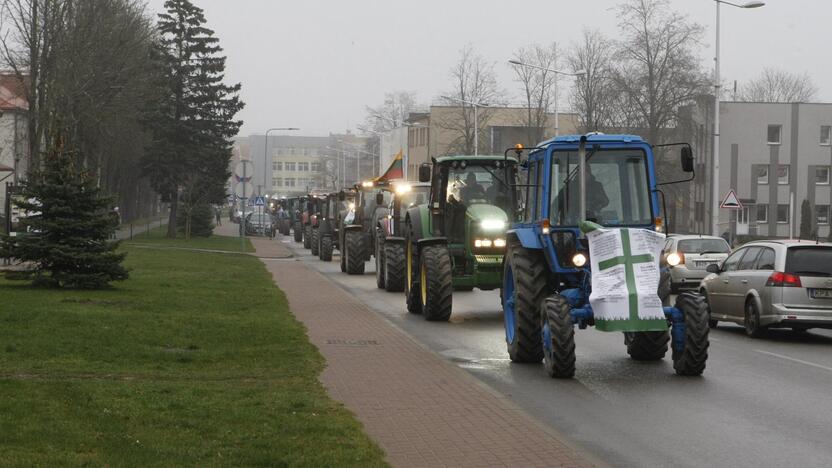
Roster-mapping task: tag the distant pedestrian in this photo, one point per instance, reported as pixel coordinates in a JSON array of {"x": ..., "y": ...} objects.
[
  {"x": 117, "y": 219},
  {"x": 218, "y": 214}
]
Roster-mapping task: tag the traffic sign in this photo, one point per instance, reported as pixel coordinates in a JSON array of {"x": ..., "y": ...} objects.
[
  {"x": 731, "y": 202},
  {"x": 259, "y": 201},
  {"x": 243, "y": 190}
]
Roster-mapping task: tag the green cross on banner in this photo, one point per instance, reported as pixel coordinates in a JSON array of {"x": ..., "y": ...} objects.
[{"x": 628, "y": 260}]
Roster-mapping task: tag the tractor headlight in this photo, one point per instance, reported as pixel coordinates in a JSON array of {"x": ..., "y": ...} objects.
[
  {"x": 499, "y": 242},
  {"x": 401, "y": 189},
  {"x": 483, "y": 243},
  {"x": 352, "y": 206},
  {"x": 493, "y": 224},
  {"x": 367, "y": 184},
  {"x": 674, "y": 259},
  {"x": 579, "y": 259}
]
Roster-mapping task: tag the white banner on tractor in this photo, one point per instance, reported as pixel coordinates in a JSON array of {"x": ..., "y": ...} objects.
[{"x": 625, "y": 278}]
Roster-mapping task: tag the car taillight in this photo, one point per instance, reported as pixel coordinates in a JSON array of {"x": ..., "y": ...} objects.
[{"x": 786, "y": 280}]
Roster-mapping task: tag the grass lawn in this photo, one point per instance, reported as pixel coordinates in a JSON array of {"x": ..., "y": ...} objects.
[
  {"x": 195, "y": 361},
  {"x": 156, "y": 236}
]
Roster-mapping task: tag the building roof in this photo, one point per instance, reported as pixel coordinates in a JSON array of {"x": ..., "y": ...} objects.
[{"x": 12, "y": 93}]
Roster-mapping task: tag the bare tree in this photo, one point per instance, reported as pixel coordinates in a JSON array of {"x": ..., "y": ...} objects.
[
  {"x": 537, "y": 86},
  {"x": 658, "y": 70},
  {"x": 776, "y": 85},
  {"x": 474, "y": 82},
  {"x": 396, "y": 108},
  {"x": 593, "y": 95}
]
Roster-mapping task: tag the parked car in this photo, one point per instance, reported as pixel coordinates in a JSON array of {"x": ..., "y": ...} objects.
[
  {"x": 772, "y": 284},
  {"x": 259, "y": 223},
  {"x": 688, "y": 257}
]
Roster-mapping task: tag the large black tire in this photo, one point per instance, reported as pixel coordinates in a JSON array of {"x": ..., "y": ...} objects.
[
  {"x": 559, "y": 345},
  {"x": 354, "y": 252},
  {"x": 379, "y": 258},
  {"x": 325, "y": 251},
  {"x": 647, "y": 346},
  {"x": 527, "y": 271},
  {"x": 411, "y": 285},
  {"x": 313, "y": 243},
  {"x": 436, "y": 283},
  {"x": 307, "y": 237},
  {"x": 752, "y": 320},
  {"x": 298, "y": 232},
  {"x": 691, "y": 359},
  {"x": 394, "y": 265}
]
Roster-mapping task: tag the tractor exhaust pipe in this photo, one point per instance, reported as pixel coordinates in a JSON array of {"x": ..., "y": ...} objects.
[{"x": 582, "y": 178}]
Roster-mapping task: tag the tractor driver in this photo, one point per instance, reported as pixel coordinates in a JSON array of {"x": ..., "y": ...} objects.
[
  {"x": 472, "y": 189},
  {"x": 568, "y": 200}
]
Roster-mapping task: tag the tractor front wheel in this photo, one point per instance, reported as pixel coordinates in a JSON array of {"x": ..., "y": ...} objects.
[
  {"x": 379, "y": 257},
  {"x": 298, "y": 232},
  {"x": 313, "y": 243},
  {"x": 691, "y": 356},
  {"x": 326, "y": 249},
  {"x": 558, "y": 334},
  {"x": 647, "y": 346},
  {"x": 307, "y": 237},
  {"x": 411, "y": 291},
  {"x": 354, "y": 252},
  {"x": 436, "y": 283},
  {"x": 524, "y": 289},
  {"x": 394, "y": 265}
]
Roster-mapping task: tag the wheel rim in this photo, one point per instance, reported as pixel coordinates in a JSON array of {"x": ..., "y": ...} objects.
[
  {"x": 423, "y": 284},
  {"x": 508, "y": 304}
]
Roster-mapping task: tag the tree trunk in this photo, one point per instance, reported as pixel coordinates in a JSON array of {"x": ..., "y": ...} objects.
[{"x": 174, "y": 206}]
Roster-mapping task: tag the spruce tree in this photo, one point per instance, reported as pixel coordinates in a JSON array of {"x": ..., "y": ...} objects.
[
  {"x": 68, "y": 228},
  {"x": 195, "y": 120}
]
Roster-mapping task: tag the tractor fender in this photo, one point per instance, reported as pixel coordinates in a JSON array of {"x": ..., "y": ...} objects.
[
  {"x": 432, "y": 241},
  {"x": 414, "y": 219},
  {"x": 394, "y": 240},
  {"x": 353, "y": 227},
  {"x": 527, "y": 237}
]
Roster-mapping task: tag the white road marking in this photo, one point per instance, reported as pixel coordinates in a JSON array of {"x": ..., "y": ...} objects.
[{"x": 800, "y": 361}]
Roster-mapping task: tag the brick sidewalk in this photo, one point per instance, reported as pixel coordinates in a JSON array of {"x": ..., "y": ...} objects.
[{"x": 420, "y": 409}]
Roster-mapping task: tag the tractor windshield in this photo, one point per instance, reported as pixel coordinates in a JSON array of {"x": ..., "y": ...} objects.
[
  {"x": 477, "y": 184},
  {"x": 617, "y": 188},
  {"x": 414, "y": 197}
]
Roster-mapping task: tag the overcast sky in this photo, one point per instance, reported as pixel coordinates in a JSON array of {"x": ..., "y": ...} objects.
[{"x": 316, "y": 64}]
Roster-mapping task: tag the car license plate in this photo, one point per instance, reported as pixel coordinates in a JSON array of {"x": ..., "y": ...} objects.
[
  {"x": 822, "y": 293},
  {"x": 705, "y": 264}
]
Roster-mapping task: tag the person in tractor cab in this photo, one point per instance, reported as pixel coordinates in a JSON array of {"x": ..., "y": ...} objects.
[
  {"x": 568, "y": 200},
  {"x": 472, "y": 190}
]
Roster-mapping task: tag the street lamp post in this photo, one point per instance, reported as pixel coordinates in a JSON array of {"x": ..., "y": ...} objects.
[
  {"x": 717, "y": 87},
  {"x": 476, "y": 106},
  {"x": 557, "y": 73}
]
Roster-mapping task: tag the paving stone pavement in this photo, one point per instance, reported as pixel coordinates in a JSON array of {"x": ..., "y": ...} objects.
[{"x": 422, "y": 410}]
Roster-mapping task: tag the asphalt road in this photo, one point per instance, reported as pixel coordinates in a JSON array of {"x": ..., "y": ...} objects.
[{"x": 760, "y": 403}]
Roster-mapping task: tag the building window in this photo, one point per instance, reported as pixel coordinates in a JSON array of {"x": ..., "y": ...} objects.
[
  {"x": 783, "y": 174},
  {"x": 822, "y": 175},
  {"x": 303, "y": 167},
  {"x": 290, "y": 167},
  {"x": 774, "y": 134},
  {"x": 762, "y": 175},
  {"x": 315, "y": 167},
  {"x": 825, "y": 135},
  {"x": 290, "y": 182},
  {"x": 762, "y": 213},
  {"x": 742, "y": 216},
  {"x": 822, "y": 214},
  {"x": 278, "y": 182},
  {"x": 278, "y": 166},
  {"x": 782, "y": 214}
]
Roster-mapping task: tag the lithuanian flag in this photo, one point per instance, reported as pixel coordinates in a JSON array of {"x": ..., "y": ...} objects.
[{"x": 395, "y": 170}]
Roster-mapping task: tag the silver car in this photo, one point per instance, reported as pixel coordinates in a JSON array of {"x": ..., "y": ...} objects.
[
  {"x": 688, "y": 257},
  {"x": 772, "y": 284}
]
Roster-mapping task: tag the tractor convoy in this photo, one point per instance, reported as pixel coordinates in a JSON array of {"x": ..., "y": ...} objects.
[{"x": 570, "y": 232}]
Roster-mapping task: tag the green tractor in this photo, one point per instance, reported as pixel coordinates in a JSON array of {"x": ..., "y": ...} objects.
[
  {"x": 457, "y": 240},
  {"x": 390, "y": 228},
  {"x": 358, "y": 231},
  {"x": 294, "y": 208}
]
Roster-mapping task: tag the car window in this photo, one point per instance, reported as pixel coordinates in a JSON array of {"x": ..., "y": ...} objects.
[
  {"x": 749, "y": 259},
  {"x": 732, "y": 261},
  {"x": 766, "y": 259},
  {"x": 809, "y": 261},
  {"x": 702, "y": 246}
]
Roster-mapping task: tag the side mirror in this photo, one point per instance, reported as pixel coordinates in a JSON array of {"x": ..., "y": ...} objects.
[
  {"x": 379, "y": 199},
  {"x": 342, "y": 195},
  {"x": 687, "y": 159},
  {"x": 424, "y": 172},
  {"x": 713, "y": 268}
]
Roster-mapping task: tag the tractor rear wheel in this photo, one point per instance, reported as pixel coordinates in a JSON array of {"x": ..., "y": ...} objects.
[
  {"x": 326, "y": 249},
  {"x": 411, "y": 286},
  {"x": 354, "y": 252},
  {"x": 298, "y": 232},
  {"x": 307, "y": 237},
  {"x": 313, "y": 243},
  {"x": 379, "y": 256},
  {"x": 558, "y": 338},
  {"x": 691, "y": 358},
  {"x": 523, "y": 292},
  {"x": 436, "y": 283},
  {"x": 394, "y": 265},
  {"x": 647, "y": 346}
]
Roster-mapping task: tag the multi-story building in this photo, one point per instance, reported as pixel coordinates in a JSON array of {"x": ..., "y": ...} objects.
[
  {"x": 292, "y": 165},
  {"x": 774, "y": 156},
  {"x": 14, "y": 147}
]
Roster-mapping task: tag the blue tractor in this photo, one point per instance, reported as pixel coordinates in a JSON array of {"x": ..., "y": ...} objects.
[{"x": 573, "y": 182}]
